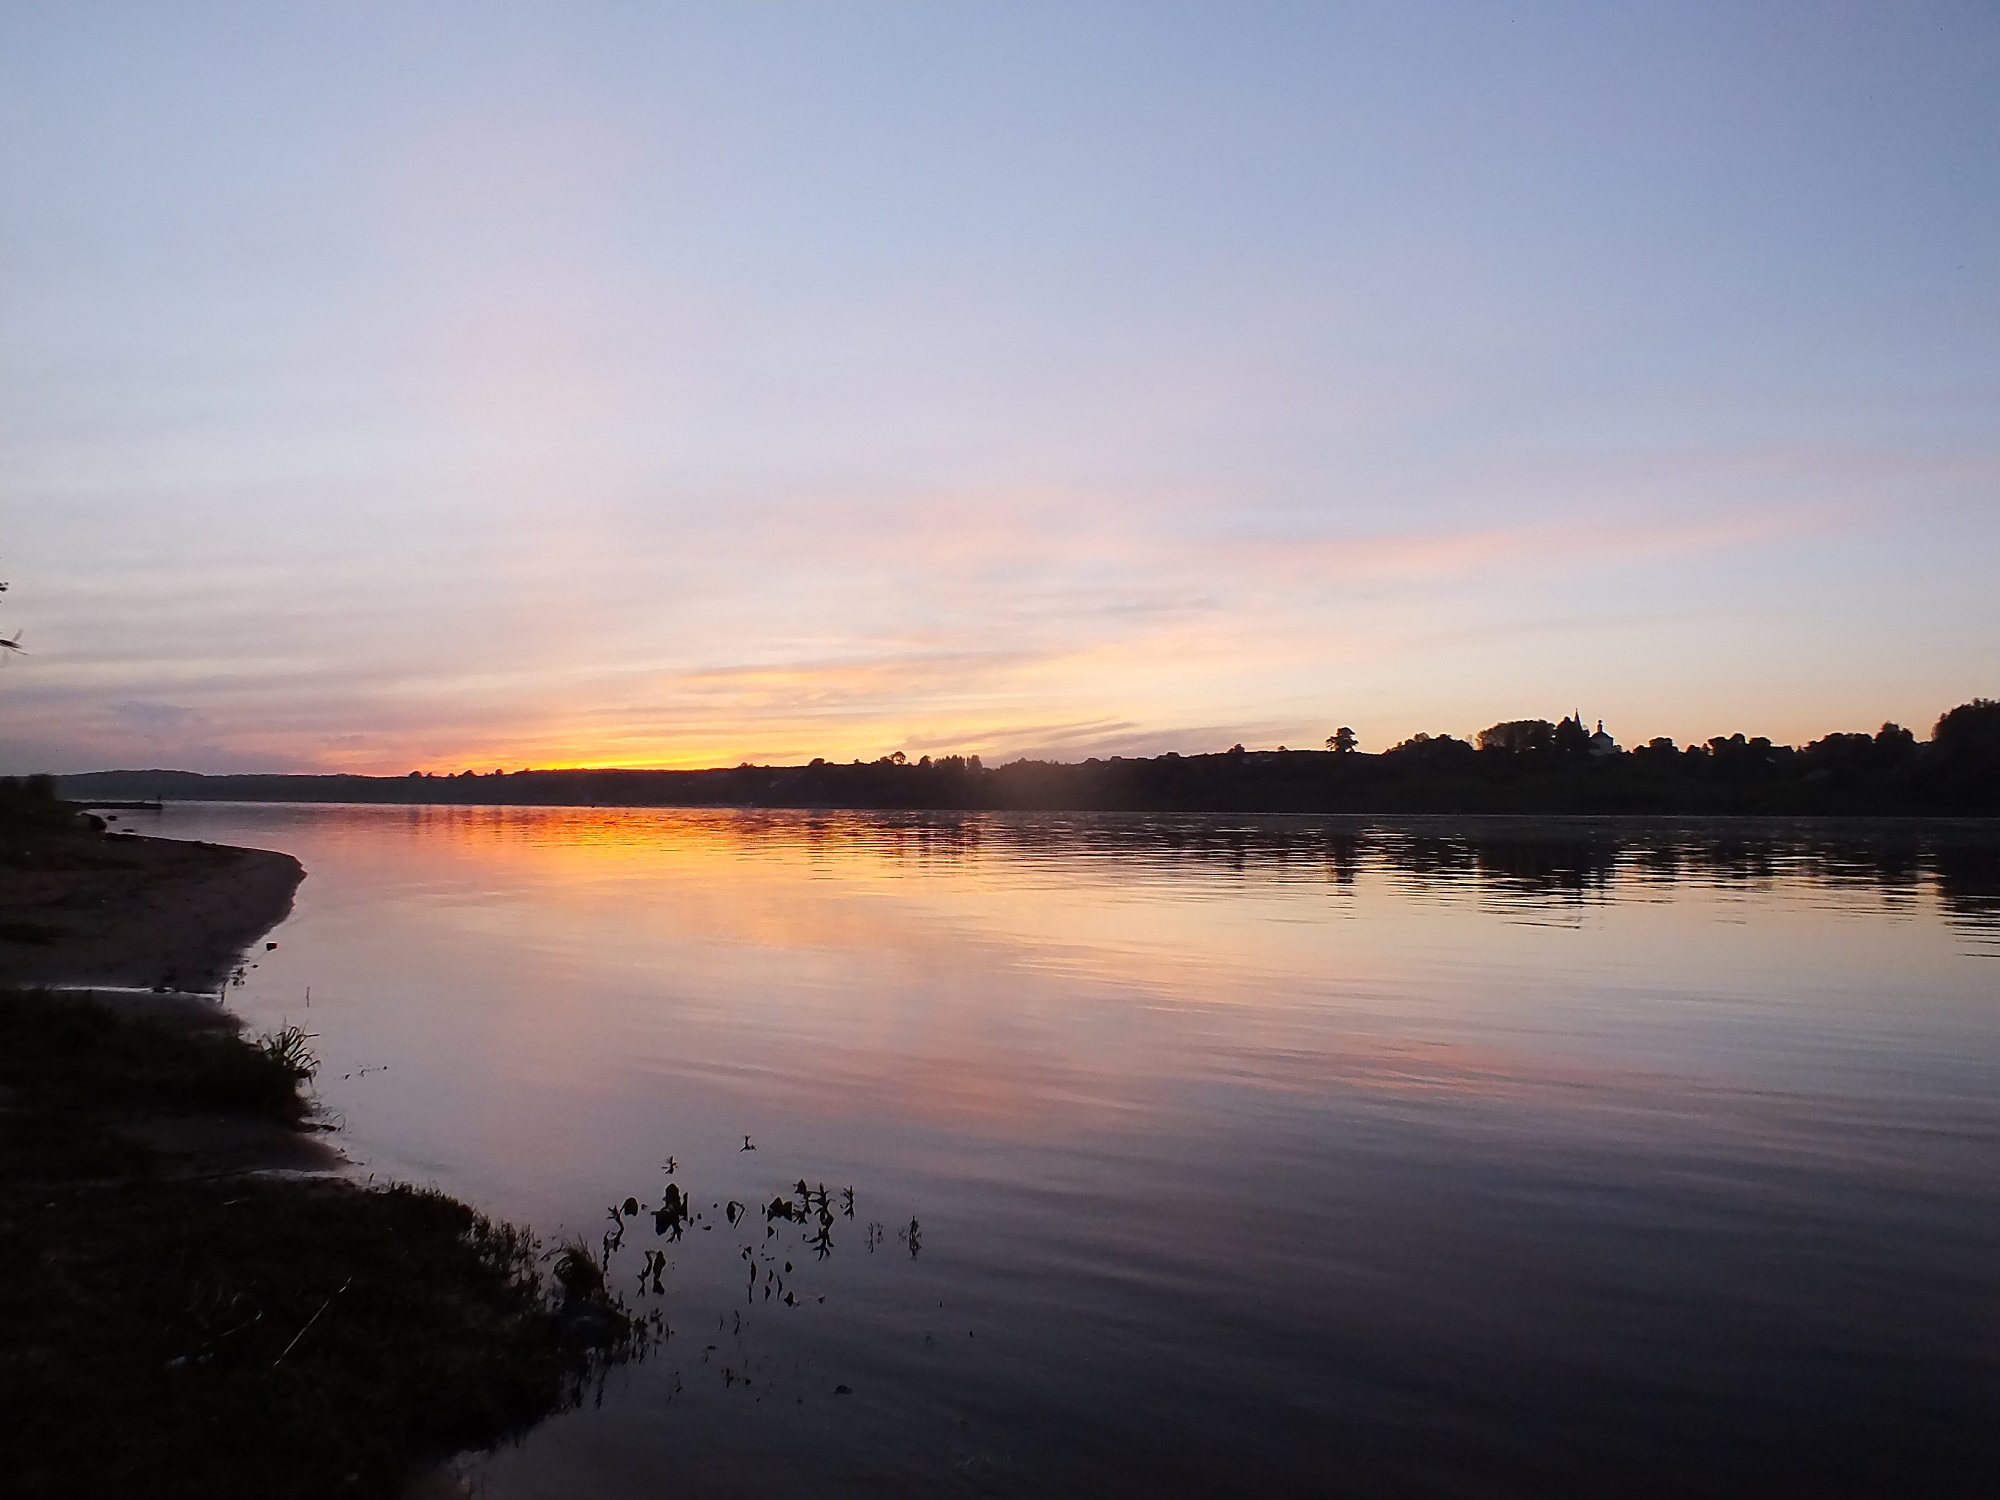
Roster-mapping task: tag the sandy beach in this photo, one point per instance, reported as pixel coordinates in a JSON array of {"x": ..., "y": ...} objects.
[
  {"x": 160, "y": 923},
  {"x": 197, "y": 1302},
  {"x": 81, "y": 908}
]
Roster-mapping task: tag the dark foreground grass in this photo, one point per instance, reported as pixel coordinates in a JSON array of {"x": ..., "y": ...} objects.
[
  {"x": 66, "y": 1055},
  {"x": 236, "y": 1335}
]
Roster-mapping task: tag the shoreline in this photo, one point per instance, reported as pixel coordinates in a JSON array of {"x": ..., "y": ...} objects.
[
  {"x": 194, "y": 1299},
  {"x": 81, "y": 909},
  {"x": 1523, "y": 766}
]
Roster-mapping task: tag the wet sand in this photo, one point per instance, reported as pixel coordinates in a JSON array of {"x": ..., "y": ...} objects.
[
  {"x": 84, "y": 908},
  {"x": 183, "y": 1247},
  {"x": 164, "y": 921}
]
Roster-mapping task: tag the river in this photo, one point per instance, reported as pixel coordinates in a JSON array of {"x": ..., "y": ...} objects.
[{"x": 1194, "y": 1154}]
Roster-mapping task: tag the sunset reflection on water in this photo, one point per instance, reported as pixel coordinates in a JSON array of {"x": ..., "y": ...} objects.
[{"x": 1461, "y": 1160}]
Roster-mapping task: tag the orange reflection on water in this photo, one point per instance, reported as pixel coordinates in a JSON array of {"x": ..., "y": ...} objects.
[
  {"x": 1021, "y": 979},
  {"x": 1201, "y": 1116}
]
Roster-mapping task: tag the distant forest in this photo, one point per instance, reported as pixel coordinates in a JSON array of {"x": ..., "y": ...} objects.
[{"x": 1522, "y": 766}]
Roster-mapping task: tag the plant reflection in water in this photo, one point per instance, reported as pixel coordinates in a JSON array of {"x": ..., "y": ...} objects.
[{"x": 802, "y": 1219}]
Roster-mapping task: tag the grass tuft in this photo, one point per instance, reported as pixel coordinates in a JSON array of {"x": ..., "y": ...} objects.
[
  {"x": 63, "y": 1052},
  {"x": 286, "y": 1049}
]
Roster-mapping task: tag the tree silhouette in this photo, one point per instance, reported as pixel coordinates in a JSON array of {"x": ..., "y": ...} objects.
[
  {"x": 1342, "y": 741},
  {"x": 15, "y": 643},
  {"x": 1519, "y": 736},
  {"x": 1965, "y": 755},
  {"x": 1971, "y": 730}
]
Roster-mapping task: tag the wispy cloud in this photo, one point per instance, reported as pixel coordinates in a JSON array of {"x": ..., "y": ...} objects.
[{"x": 550, "y": 410}]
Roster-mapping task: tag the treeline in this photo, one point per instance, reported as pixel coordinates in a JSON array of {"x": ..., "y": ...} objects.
[{"x": 1513, "y": 768}]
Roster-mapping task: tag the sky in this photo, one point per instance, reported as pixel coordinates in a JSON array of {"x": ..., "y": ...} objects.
[{"x": 387, "y": 387}]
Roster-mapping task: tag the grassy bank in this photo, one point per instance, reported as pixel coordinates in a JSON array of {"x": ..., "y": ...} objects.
[{"x": 172, "y": 1331}]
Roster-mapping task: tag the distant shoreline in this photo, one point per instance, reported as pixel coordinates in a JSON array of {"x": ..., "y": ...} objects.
[{"x": 1432, "y": 778}]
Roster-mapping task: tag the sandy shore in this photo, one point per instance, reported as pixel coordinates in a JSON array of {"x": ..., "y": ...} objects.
[
  {"x": 90, "y": 909},
  {"x": 175, "y": 1249},
  {"x": 164, "y": 919}
]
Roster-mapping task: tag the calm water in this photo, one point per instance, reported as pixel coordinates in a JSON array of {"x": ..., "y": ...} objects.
[{"x": 1244, "y": 1156}]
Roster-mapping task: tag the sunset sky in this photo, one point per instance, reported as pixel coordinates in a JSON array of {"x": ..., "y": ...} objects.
[{"x": 393, "y": 386}]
